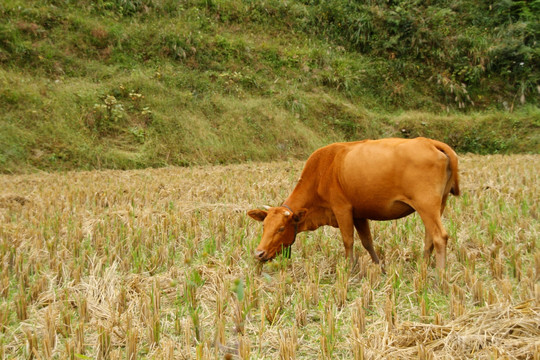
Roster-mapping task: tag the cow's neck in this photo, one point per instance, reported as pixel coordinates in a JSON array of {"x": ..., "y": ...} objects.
[
  {"x": 317, "y": 217},
  {"x": 301, "y": 196},
  {"x": 304, "y": 196}
]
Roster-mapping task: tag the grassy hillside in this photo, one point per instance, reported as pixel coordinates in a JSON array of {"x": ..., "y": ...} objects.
[{"x": 137, "y": 83}]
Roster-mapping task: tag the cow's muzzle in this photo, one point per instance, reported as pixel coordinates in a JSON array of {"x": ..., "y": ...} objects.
[{"x": 260, "y": 255}]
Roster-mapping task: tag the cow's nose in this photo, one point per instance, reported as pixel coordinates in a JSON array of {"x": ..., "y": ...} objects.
[{"x": 259, "y": 254}]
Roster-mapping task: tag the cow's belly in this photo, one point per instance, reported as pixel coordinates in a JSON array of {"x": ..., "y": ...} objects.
[{"x": 382, "y": 211}]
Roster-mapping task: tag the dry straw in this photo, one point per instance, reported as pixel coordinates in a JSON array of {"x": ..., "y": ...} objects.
[
  {"x": 157, "y": 264},
  {"x": 508, "y": 331}
]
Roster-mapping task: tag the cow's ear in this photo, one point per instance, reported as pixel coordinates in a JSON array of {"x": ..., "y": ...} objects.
[
  {"x": 299, "y": 215},
  {"x": 257, "y": 214}
]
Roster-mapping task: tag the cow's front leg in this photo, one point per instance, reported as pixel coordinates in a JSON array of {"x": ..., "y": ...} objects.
[
  {"x": 362, "y": 227},
  {"x": 344, "y": 217}
]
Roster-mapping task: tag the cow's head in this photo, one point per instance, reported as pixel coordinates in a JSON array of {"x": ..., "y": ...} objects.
[{"x": 280, "y": 226}]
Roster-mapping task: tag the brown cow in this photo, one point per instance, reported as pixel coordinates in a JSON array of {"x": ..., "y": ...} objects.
[{"x": 346, "y": 184}]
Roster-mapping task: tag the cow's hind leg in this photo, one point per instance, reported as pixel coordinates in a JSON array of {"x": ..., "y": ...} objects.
[
  {"x": 362, "y": 227},
  {"x": 436, "y": 235}
]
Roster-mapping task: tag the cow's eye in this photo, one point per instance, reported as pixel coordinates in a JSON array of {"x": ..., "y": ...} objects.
[{"x": 281, "y": 229}]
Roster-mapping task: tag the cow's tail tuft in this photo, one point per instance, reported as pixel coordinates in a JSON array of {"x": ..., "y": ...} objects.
[{"x": 452, "y": 156}]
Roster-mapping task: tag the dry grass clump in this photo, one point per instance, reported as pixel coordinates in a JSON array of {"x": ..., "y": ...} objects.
[
  {"x": 156, "y": 264},
  {"x": 493, "y": 331}
]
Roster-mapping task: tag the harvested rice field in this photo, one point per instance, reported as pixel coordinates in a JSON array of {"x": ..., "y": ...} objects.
[{"x": 157, "y": 264}]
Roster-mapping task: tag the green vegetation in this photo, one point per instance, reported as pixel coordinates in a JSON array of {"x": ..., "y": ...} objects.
[{"x": 138, "y": 83}]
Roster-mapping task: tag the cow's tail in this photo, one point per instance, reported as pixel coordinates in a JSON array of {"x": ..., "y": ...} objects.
[{"x": 452, "y": 157}]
